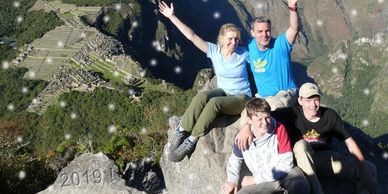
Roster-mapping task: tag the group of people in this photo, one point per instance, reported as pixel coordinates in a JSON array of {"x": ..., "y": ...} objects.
[{"x": 284, "y": 137}]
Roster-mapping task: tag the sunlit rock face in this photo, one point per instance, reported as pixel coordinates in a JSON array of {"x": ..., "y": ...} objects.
[
  {"x": 205, "y": 170},
  {"x": 89, "y": 173}
]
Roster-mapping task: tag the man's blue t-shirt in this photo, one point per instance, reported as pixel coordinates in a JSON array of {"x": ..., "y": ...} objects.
[
  {"x": 232, "y": 74},
  {"x": 271, "y": 68}
]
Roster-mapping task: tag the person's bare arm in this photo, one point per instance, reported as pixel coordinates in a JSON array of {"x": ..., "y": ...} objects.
[
  {"x": 244, "y": 137},
  {"x": 293, "y": 30},
  {"x": 366, "y": 177},
  {"x": 187, "y": 31},
  {"x": 248, "y": 181},
  {"x": 229, "y": 188}
]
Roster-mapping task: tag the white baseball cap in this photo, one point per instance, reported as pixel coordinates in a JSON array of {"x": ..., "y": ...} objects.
[{"x": 309, "y": 89}]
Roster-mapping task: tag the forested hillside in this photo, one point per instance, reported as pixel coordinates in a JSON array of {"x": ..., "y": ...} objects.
[
  {"x": 108, "y": 121},
  {"x": 354, "y": 81},
  {"x": 22, "y": 25}
]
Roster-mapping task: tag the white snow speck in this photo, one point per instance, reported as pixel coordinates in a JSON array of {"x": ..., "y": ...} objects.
[
  {"x": 11, "y": 107},
  {"x": 67, "y": 136},
  {"x": 178, "y": 70},
  {"x": 22, "y": 174},
  {"x": 319, "y": 22},
  {"x": 385, "y": 155},
  {"x": 354, "y": 12},
  {"x": 5, "y": 65},
  {"x": 19, "y": 139},
  {"x": 106, "y": 19},
  {"x": 19, "y": 19},
  {"x": 31, "y": 74},
  {"x": 366, "y": 91},
  {"x": 216, "y": 15},
  {"x": 112, "y": 128},
  {"x": 62, "y": 104},
  {"x": 153, "y": 62},
  {"x": 135, "y": 24},
  {"x": 24, "y": 90},
  {"x": 365, "y": 122},
  {"x": 16, "y": 4},
  {"x": 111, "y": 106},
  {"x": 73, "y": 115},
  {"x": 117, "y": 6}
]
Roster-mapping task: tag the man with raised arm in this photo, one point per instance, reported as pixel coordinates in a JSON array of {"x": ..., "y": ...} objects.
[{"x": 270, "y": 60}]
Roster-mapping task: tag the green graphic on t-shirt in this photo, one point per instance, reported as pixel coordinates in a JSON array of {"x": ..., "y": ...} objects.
[{"x": 259, "y": 65}]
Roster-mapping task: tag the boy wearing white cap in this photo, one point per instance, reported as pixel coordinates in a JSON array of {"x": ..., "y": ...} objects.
[{"x": 311, "y": 129}]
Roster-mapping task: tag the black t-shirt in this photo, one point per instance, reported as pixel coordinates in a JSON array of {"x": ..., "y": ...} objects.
[{"x": 319, "y": 134}]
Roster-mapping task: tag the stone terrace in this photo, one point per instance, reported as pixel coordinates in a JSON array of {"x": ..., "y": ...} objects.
[
  {"x": 67, "y": 55},
  {"x": 53, "y": 49}
]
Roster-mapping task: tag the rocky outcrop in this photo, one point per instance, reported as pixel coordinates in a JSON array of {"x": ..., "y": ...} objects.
[
  {"x": 205, "y": 80},
  {"x": 144, "y": 176},
  {"x": 205, "y": 170},
  {"x": 89, "y": 173},
  {"x": 96, "y": 173}
]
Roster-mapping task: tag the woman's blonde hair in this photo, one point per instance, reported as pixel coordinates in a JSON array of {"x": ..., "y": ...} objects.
[{"x": 227, "y": 28}]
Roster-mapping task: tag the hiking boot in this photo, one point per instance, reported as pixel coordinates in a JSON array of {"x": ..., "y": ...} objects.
[
  {"x": 177, "y": 138},
  {"x": 186, "y": 148}
]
